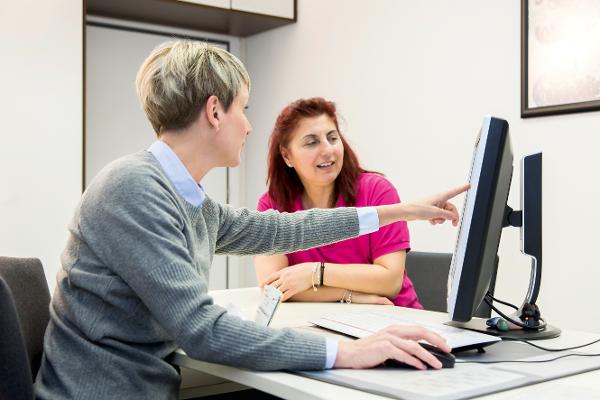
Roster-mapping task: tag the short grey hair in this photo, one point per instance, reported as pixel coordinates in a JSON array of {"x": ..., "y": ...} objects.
[{"x": 175, "y": 81}]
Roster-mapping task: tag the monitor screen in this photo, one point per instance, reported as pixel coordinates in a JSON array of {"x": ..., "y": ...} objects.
[{"x": 474, "y": 259}]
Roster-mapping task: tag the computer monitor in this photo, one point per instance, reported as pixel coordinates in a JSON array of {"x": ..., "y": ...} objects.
[{"x": 485, "y": 214}]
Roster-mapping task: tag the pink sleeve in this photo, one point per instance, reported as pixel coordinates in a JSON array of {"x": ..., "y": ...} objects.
[
  {"x": 265, "y": 203},
  {"x": 393, "y": 237}
]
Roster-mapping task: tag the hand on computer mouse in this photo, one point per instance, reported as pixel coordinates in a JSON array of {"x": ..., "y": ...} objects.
[
  {"x": 398, "y": 342},
  {"x": 447, "y": 359}
]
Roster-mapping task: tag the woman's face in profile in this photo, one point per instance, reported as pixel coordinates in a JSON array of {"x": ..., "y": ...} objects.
[{"x": 315, "y": 151}]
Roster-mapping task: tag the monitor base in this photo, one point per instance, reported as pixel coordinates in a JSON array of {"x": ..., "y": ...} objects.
[{"x": 479, "y": 325}]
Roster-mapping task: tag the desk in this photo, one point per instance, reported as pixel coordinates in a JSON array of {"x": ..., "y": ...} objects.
[{"x": 291, "y": 386}]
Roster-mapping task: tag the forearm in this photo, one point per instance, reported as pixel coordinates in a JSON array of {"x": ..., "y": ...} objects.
[
  {"x": 266, "y": 265},
  {"x": 367, "y": 278},
  {"x": 393, "y": 212},
  {"x": 324, "y": 294},
  {"x": 207, "y": 332},
  {"x": 244, "y": 344},
  {"x": 246, "y": 232}
]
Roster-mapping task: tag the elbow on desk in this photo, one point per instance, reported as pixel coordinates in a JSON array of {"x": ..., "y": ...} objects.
[
  {"x": 394, "y": 287},
  {"x": 388, "y": 287},
  {"x": 389, "y": 284}
]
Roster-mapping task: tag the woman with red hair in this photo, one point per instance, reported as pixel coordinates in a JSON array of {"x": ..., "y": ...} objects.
[{"x": 312, "y": 166}]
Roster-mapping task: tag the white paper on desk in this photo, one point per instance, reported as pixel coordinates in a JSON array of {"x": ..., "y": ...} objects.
[
  {"x": 552, "y": 391},
  {"x": 445, "y": 384},
  {"x": 364, "y": 323}
]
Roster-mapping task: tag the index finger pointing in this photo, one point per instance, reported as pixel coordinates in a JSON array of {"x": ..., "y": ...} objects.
[{"x": 456, "y": 191}]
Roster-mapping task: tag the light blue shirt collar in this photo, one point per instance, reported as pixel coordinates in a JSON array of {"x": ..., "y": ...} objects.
[{"x": 179, "y": 176}]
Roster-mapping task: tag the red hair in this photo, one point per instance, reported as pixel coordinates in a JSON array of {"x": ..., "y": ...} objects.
[{"x": 284, "y": 184}]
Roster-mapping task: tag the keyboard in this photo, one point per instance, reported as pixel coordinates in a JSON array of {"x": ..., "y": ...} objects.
[{"x": 359, "y": 324}]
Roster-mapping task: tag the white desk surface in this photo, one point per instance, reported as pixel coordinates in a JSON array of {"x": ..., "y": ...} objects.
[{"x": 287, "y": 385}]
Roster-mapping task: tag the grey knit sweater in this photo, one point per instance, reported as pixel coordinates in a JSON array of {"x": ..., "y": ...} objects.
[{"x": 133, "y": 287}]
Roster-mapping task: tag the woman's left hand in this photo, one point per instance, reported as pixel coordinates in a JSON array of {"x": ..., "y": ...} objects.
[{"x": 292, "y": 280}]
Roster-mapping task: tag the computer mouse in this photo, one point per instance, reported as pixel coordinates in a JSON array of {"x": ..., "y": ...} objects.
[{"x": 447, "y": 359}]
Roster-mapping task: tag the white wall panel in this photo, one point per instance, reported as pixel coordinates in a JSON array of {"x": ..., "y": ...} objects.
[
  {"x": 115, "y": 122},
  {"x": 41, "y": 102}
]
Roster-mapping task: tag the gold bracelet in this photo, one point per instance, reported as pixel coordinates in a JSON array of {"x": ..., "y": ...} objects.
[
  {"x": 347, "y": 300},
  {"x": 343, "y": 299}
]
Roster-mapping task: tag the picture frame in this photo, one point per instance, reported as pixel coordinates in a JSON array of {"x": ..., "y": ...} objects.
[{"x": 560, "y": 57}]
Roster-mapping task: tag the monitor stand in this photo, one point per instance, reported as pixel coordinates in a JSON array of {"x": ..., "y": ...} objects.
[{"x": 479, "y": 325}]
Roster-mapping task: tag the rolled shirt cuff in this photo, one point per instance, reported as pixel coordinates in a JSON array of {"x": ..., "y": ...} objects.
[
  {"x": 368, "y": 220},
  {"x": 331, "y": 349}
]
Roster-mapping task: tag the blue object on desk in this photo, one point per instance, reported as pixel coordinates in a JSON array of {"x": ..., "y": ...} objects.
[{"x": 497, "y": 323}]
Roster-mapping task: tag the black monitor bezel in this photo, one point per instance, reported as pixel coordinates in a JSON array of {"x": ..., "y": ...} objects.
[{"x": 486, "y": 222}]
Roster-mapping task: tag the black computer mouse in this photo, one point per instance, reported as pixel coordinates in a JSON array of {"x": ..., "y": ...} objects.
[{"x": 447, "y": 359}]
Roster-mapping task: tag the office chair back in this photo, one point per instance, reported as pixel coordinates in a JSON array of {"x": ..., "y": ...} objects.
[
  {"x": 429, "y": 273},
  {"x": 27, "y": 283},
  {"x": 15, "y": 372}
]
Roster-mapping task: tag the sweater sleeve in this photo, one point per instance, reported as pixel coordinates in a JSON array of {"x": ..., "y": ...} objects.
[
  {"x": 244, "y": 232},
  {"x": 135, "y": 228}
]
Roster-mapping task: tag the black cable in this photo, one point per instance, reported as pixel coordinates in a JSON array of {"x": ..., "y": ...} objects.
[
  {"x": 501, "y": 302},
  {"x": 515, "y": 322},
  {"x": 551, "y": 350},
  {"x": 527, "y": 361},
  {"x": 489, "y": 303}
]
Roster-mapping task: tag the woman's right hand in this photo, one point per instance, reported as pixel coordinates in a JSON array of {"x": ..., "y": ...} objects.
[
  {"x": 394, "y": 342},
  {"x": 436, "y": 209},
  {"x": 367, "y": 298}
]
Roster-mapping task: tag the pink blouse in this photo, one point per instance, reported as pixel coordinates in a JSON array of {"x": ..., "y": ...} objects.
[{"x": 373, "y": 190}]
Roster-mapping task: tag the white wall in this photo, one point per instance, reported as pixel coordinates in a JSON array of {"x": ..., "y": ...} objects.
[
  {"x": 413, "y": 81},
  {"x": 41, "y": 107}
]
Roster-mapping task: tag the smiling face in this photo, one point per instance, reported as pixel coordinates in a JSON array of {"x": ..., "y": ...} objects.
[
  {"x": 235, "y": 127},
  {"x": 315, "y": 151}
]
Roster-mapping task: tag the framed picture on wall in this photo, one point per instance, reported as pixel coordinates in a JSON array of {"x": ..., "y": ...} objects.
[{"x": 560, "y": 57}]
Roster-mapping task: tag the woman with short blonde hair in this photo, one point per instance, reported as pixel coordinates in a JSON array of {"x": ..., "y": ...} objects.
[{"x": 177, "y": 79}]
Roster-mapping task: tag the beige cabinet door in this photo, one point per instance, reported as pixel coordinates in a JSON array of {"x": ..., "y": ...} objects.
[
  {"x": 277, "y": 8},
  {"x": 212, "y": 3}
]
